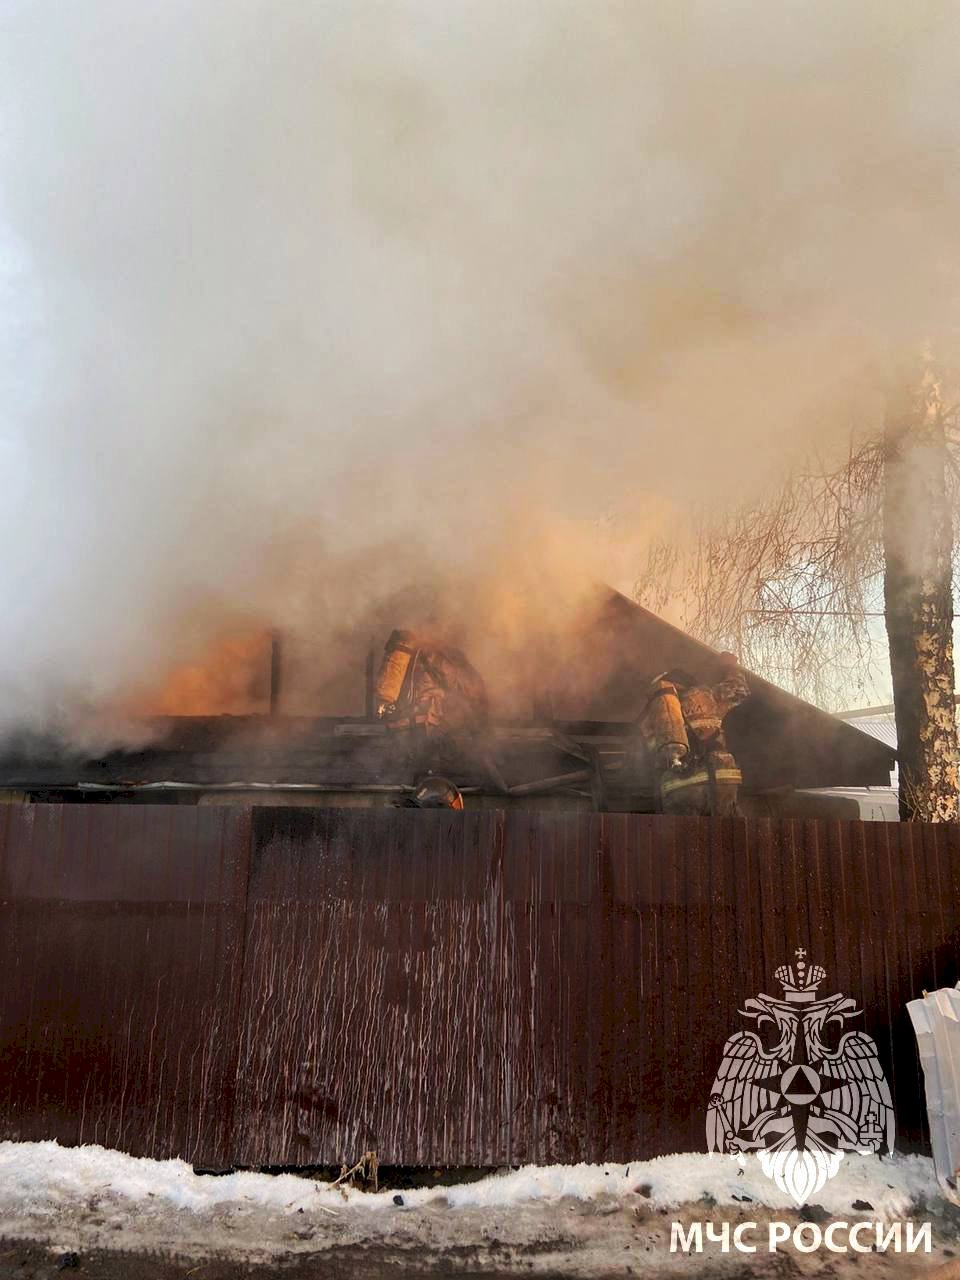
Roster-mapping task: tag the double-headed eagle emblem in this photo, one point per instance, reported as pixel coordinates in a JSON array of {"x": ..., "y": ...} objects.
[{"x": 799, "y": 1090}]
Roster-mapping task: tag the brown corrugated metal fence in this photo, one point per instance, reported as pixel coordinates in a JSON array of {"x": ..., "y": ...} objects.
[{"x": 296, "y": 986}]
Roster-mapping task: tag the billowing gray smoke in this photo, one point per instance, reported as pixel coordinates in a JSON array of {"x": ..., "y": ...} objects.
[{"x": 283, "y": 284}]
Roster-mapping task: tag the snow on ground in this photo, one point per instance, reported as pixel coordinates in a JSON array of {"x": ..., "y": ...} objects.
[
  {"x": 576, "y": 1219},
  {"x": 42, "y": 1175}
]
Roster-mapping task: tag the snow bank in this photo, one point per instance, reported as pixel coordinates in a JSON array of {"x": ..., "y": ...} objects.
[
  {"x": 40, "y": 1174},
  {"x": 43, "y": 1177},
  {"x": 890, "y": 1186}
]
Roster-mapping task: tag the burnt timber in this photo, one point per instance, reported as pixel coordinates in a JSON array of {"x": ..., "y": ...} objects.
[{"x": 600, "y": 763}]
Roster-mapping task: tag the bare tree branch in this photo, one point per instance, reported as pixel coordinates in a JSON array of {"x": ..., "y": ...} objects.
[{"x": 794, "y": 583}]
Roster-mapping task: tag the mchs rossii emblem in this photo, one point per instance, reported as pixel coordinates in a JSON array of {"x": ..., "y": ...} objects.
[{"x": 799, "y": 1090}]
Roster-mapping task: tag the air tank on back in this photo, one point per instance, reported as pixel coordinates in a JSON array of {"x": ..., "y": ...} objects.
[{"x": 398, "y": 654}]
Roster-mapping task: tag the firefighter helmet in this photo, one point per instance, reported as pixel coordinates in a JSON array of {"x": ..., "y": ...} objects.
[{"x": 435, "y": 792}]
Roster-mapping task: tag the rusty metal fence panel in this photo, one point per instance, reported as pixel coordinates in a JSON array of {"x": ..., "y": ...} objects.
[
  {"x": 121, "y": 932},
  {"x": 295, "y": 986},
  {"x": 374, "y": 988}
]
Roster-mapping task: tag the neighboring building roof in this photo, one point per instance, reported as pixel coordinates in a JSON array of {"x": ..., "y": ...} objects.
[{"x": 879, "y": 723}]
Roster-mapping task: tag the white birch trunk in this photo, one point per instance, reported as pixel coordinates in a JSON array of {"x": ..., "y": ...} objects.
[{"x": 918, "y": 598}]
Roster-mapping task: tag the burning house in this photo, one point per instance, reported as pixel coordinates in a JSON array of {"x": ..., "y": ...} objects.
[{"x": 588, "y": 743}]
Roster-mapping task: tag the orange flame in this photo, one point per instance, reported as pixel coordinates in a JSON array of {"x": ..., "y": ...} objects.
[{"x": 233, "y": 679}]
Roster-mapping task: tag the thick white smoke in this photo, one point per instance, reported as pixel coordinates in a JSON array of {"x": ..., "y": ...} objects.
[{"x": 282, "y": 285}]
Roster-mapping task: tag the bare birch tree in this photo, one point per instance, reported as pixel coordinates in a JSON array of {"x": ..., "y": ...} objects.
[{"x": 800, "y": 584}]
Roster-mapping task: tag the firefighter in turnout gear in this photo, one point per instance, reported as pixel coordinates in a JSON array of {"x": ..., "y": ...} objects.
[
  {"x": 682, "y": 727},
  {"x": 434, "y": 689},
  {"x": 432, "y": 699}
]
